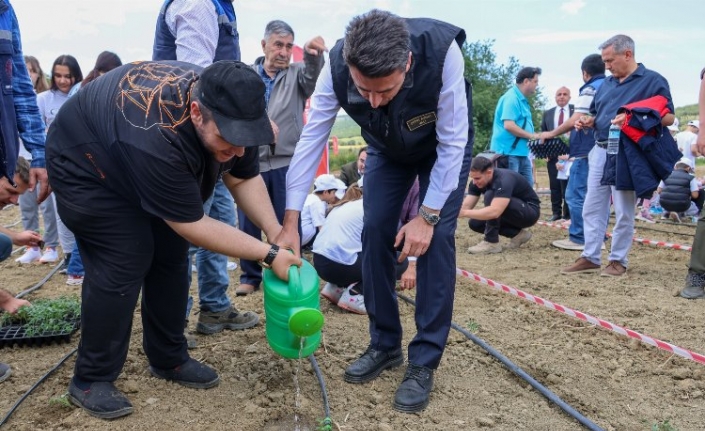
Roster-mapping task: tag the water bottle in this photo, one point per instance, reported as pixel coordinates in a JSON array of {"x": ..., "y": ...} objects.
[
  {"x": 613, "y": 139},
  {"x": 294, "y": 320}
]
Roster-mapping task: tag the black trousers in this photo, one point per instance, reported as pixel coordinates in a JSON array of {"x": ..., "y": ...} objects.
[
  {"x": 517, "y": 216},
  {"x": 345, "y": 275},
  {"x": 558, "y": 206},
  {"x": 124, "y": 256}
]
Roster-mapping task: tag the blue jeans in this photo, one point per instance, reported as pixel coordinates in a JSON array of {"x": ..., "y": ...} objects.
[
  {"x": 75, "y": 265},
  {"x": 213, "y": 279},
  {"x": 5, "y": 247},
  {"x": 522, "y": 165},
  {"x": 575, "y": 197},
  {"x": 275, "y": 181}
]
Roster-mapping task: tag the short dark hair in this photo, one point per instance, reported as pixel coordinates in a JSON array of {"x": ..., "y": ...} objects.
[
  {"x": 74, "y": 69},
  {"x": 527, "y": 73},
  {"x": 480, "y": 164},
  {"x": 206, "y": 113},
  {"x": 22, "y": 169},
  {"x": 361, "y": 150},
  {"x": 593, "y": 65},
  {"x": 377, "y": 44}
]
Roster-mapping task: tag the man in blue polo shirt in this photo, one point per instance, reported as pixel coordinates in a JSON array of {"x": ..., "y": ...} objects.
[
  {"x": 513, "y": 127},
  {"x": 630, "y": 82}
]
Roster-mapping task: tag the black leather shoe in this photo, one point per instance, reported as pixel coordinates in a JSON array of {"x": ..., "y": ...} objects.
[
  {"x": 412, "y": 395},
  {"x": 555, "y": 217},
  {"x": 368, "y": 366}
]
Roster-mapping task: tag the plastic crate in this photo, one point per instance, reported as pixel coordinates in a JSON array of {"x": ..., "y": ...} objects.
[{"x": 15, "y": 334}]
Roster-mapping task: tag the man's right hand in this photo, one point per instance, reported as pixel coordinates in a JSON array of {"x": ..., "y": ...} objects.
[
  {"x": 283, "y": 261},
  {"x": 288, "y": 237}
]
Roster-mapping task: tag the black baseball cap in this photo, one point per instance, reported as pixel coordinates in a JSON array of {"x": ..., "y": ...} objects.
[{"x": 234, "y": 92}]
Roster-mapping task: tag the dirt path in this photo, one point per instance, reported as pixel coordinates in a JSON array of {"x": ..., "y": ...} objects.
[{"x": 616, "y": 382}]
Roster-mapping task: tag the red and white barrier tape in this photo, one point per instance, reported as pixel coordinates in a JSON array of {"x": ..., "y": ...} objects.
[
  {"x": 635, "y": 239},
  {"x": 697, "y": 357}
]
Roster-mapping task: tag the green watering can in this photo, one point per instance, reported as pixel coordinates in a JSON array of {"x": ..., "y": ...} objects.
[{"x": 294, "y": 319}]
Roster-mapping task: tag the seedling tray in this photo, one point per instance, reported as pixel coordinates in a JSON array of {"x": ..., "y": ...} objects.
[{"x": 15, "y": 334}]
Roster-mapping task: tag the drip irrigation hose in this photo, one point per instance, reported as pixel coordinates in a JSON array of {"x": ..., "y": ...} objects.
[
  {"x": 521, "y": 373},
  {"x": 18, "y": 249},
  {"x": 41, "y": 282},
  {"x": 40, "y": 381},
  {"x": 326, "y": 423},
  {"x": 8, "y": 226}
]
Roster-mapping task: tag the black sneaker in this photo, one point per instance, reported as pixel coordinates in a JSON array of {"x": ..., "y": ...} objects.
[
  {"x": 210, "y": 322},
  {"x": 191, "y": 374},
  {"x": 412, "y": 395},
  {"x": 368, "y": 366},
  {"x": 5, "y": 371},
  {"x": 102, "y": 400}
]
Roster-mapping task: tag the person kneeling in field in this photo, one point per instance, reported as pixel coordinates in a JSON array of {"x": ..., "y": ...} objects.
[{"x": 511, "y": 206}]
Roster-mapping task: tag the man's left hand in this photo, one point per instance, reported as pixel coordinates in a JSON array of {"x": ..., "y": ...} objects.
[
  {"x": 417, "y": 235},
  {"x": 316, "y": 46},
  {"x": 39, "y": 175}
]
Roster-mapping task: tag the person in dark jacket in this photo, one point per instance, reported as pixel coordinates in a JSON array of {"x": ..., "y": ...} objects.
[
  {"x": 679, "y": 194},
  {"x": 351, "y": 172},
  {"x": 402, "y": 81}
]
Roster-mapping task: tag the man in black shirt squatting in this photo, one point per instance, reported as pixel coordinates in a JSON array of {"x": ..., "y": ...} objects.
[{"x": 511, "y": 206}]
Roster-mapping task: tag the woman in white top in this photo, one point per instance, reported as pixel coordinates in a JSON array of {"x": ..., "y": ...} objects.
[
  {"x": 65, "y": 73},
  {"x": 336, "y": 253}
]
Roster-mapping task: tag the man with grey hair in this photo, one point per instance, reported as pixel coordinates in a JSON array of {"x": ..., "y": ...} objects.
[
  {"x": 630, "y": 82},
  {"x": 402, "y": 81},
  {"x": 287, "y": 86}
]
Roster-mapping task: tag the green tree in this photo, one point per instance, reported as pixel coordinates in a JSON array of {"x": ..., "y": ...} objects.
[{"x": 490, "y": 81}]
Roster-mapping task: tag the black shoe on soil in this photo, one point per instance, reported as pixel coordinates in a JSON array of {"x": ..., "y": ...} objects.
[
  {"x": 102, "y": 400},
  {"x": 412, "y": 395},
  {"x": 210, "y": 322},
  {"x": 368, "y": 366},
  {"x": 694, "y": 286},
  {"x": 5, "y": 372},
  {"x": 191, "y": 374}
]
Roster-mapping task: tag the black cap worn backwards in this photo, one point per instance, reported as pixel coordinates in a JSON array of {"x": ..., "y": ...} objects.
[{"x": 234, "y": 92}]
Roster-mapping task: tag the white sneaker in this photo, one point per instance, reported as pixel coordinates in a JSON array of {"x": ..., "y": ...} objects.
[
  {"x": 32, "y": 254},
  {"x": 332, "y": 292},
  {"x": 567, "y": 244},
  {"x": 520, "y": 239},
  {"x": 74, "y": 280},
  {"x": 352, "y": 303},
  {"x": 50, "y": 255},
  {"x": 232, "y": 266},
  {"x": 485, "y": 247}
]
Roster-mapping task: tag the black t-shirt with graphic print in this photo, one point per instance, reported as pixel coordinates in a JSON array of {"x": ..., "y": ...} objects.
[{"x": 126, "y": 142}]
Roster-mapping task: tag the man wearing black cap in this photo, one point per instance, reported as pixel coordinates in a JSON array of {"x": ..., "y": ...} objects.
[{"x": 132, "y": 158}]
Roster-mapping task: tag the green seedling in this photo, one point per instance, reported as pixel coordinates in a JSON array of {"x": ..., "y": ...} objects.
[
  {"x": 663, "y": 426},
  {"x": 46, "y": 316},
  {"x": 473, "y": 326},
  {"x": 60, "y": 401},
  {"x": 325, "y": 424}
]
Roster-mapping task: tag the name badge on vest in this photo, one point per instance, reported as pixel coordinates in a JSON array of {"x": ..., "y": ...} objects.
[{"x": 421, "y": 121}]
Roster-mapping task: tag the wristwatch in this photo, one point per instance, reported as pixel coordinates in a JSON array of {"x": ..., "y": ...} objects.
[
  {"x": 430, "y": 218},
  {"x": 269, "y": 259}
]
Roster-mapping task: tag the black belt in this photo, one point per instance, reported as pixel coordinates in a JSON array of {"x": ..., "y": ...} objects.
[{"x": 601, "y": 144}]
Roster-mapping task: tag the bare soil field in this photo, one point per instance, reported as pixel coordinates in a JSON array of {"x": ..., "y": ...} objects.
[{"x": 617, "y": 382}]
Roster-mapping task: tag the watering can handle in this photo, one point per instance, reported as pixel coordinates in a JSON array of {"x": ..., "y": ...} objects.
[{"x": 294, "y": 281}]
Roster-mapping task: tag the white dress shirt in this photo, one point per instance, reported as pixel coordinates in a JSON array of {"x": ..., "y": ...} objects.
[
  {"x": 194, "y": 23},
  {"x": 451, "y": 132}
]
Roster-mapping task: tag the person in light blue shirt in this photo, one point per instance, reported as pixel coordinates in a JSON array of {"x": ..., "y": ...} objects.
[{"x": 513, "y": 127}]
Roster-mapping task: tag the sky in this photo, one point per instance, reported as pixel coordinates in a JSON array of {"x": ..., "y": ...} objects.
[{"x": 552, "y": 34}]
